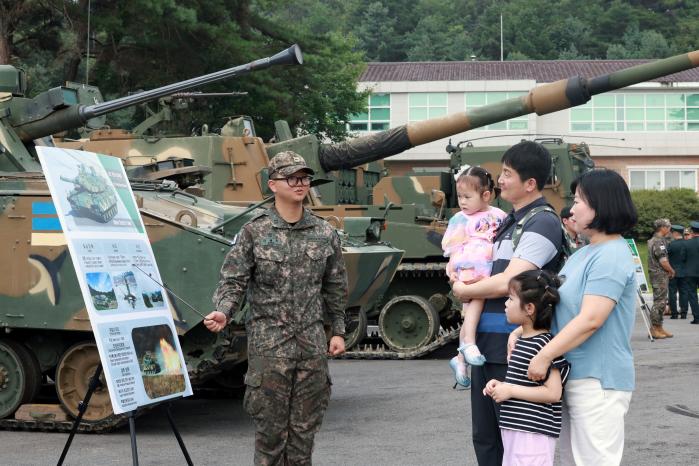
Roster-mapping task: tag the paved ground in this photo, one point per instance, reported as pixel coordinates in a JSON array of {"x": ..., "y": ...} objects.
[{"x": 394, "y": 413}]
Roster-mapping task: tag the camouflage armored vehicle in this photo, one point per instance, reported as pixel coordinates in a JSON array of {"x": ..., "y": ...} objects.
[
  {"x": 416, "y": 310},
  {"x": 45, "y": 328},
  {"x": 91, "y": 197}
]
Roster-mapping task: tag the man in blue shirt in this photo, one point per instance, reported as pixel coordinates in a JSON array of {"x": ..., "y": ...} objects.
[{"x": 526, "y": 167}]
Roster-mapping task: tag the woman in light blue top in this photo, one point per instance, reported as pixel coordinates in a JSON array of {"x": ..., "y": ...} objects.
[{"x": 593, "y": 323}]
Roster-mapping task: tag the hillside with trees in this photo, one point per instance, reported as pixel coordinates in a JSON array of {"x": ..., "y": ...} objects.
[{"x": 142, "y": 44}]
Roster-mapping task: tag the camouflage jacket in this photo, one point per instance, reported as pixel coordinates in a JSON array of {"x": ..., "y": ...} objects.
[
  {"x": 291, "y": 275},
  {"x": 657, "y": 250}
]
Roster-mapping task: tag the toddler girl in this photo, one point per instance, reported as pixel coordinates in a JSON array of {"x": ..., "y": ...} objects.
[{"x": 468, "y": 243}]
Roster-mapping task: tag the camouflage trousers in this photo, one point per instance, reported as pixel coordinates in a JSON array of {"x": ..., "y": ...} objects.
[
  {"x": 287, "y": 399},
  {"x": 659, "y": 283}
]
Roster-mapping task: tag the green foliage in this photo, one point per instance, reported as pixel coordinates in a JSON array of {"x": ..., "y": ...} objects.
[
  {"x": 639, "y": 44},
  {"x": 376, "y": 32},
  {"x": 679, "y": 205},
  {"x": 142, "y": 44}
]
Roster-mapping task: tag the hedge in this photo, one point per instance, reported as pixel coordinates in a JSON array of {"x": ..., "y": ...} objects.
[{"x": 679, "y": 205}]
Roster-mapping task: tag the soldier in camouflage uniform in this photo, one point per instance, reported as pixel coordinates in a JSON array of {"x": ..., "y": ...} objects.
[
  {"x": 288, "y": 263},
  {"x": 659, "y": 272}
]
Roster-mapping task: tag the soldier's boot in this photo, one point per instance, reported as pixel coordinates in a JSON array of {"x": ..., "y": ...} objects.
[
  {"x": 667, "y": 334},
  {"x": 656, "y": 332}
]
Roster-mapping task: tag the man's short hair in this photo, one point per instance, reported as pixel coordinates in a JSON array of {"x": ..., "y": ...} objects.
[
  {"x": 530, "y": 160},
  {"x": 565, "y": 213},
  {"x": 608, "y": 194}
]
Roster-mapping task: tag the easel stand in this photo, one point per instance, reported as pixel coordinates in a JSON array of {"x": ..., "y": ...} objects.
[
  {"x": 82, "y": 407},
  {"x": 645, "y": 313}
]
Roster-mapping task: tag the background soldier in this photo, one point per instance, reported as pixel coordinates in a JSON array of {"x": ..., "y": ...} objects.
[
  {"x": 288, "y": 263},
  {"x": 575, "y": 239},
  {"x": 659, "y": 272},
  {"x": 692, "y": 270},
  {"x": 676, "y": 254}
]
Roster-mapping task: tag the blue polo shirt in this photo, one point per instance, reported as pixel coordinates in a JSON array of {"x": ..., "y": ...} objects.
[
  {"x": 604, "y": 269},
  {"x": 540, "y": 242}
]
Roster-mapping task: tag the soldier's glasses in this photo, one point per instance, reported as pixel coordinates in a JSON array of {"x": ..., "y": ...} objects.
[{"x": 294, "y": 181}]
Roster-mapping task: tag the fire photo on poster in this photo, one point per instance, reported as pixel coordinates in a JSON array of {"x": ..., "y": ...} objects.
[{"x": 159, "y": 362}]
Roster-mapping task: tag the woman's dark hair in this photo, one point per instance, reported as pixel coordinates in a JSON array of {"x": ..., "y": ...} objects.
[
  {"x": 606, "y": 192},
  {"x": 540, "y": 288},
  {"x": 530, "y": 160},
  {"x": 479, "y": 179}
]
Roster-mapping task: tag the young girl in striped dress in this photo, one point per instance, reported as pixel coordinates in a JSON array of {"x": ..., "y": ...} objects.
[{"x": 530, "y": 412}]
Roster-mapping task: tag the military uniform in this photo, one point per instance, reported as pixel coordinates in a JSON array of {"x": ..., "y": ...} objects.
[
  {"x": 677, "y": 255},
  {"x": 657, "y": 250},
  {"x": 290, "y": 274},
  {"x": 692, "y": 271}
]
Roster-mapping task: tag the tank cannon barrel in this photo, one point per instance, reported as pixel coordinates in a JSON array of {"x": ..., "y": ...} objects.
[
  {"x": 73, "y": 116},
  {"x": 544, "y": 99},
  {"x": 197, "y": 94}
]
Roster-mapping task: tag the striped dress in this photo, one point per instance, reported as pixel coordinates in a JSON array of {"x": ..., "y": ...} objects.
[{"x": 526, "y": 416}]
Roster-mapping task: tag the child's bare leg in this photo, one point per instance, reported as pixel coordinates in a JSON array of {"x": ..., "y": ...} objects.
[
  {"x": 472, "y": 314},
  {"x": 458, "y": 362}
]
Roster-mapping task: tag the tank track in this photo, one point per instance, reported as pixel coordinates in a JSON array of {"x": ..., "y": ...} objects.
[
  {"x": 381, "y": 351},
  {"x": 446, "y": 336},
  {"x": 103, "y": 426},
  {"x": 205, "y": 368}
]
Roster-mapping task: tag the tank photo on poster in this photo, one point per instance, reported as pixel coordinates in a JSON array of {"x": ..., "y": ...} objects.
[
  {"x": 89, "y": 194},
  {"x": 101, "y": 291},
  {"x": 159, "y": 361}
]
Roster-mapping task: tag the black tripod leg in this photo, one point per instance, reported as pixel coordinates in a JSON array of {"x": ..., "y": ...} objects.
[
  {"x": 82, "y": 407},
  {"x": 178, "y": 437},
  {"x": 132, "y": 431}
]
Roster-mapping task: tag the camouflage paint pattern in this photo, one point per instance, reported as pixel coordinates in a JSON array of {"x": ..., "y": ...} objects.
[{"x": 415, "y": 222}]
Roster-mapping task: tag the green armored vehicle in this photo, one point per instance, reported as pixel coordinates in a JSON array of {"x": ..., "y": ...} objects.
[
  {"x": 91, "y": 197},
  {"x": 416, "y": 314},
  {"x": 45, "y": 328}
]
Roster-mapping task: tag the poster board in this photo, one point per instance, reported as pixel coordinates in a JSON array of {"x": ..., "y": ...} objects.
[
  {"x": 638, "y": 264},
  {"x": 129, "y": 311}
]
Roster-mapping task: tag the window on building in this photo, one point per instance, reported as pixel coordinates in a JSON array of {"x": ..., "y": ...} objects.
[
  {"x": 377, "y": 116},
  {"x": 479, "y": 99},
  {"x": 637, "y": 112},
  {"x": 426, "y": 105},
  {"x": 662, "y": 178}
]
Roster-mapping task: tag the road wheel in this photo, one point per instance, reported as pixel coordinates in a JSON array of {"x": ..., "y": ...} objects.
[
  {"x": 20, "y": 376},
  {"x": 73, "y": 373},
  {"x": 355, "y": 327},
  {"x": 407, "y": 323}
]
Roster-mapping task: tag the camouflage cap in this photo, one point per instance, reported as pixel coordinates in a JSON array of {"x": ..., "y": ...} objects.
[
  {"x": 661, "y": 222},
  {"x": 288, "y": 162},
  {"x": 678, "y": 228}
]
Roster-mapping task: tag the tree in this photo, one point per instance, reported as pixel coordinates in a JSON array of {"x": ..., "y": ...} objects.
[
  {"x": 436, "y": 39},
  {"x": 639, "y": 44},
  {"x": 143, "y": 44},
  {"x": 376, "y": 34},
  {"x": 679, "y": 205}
]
